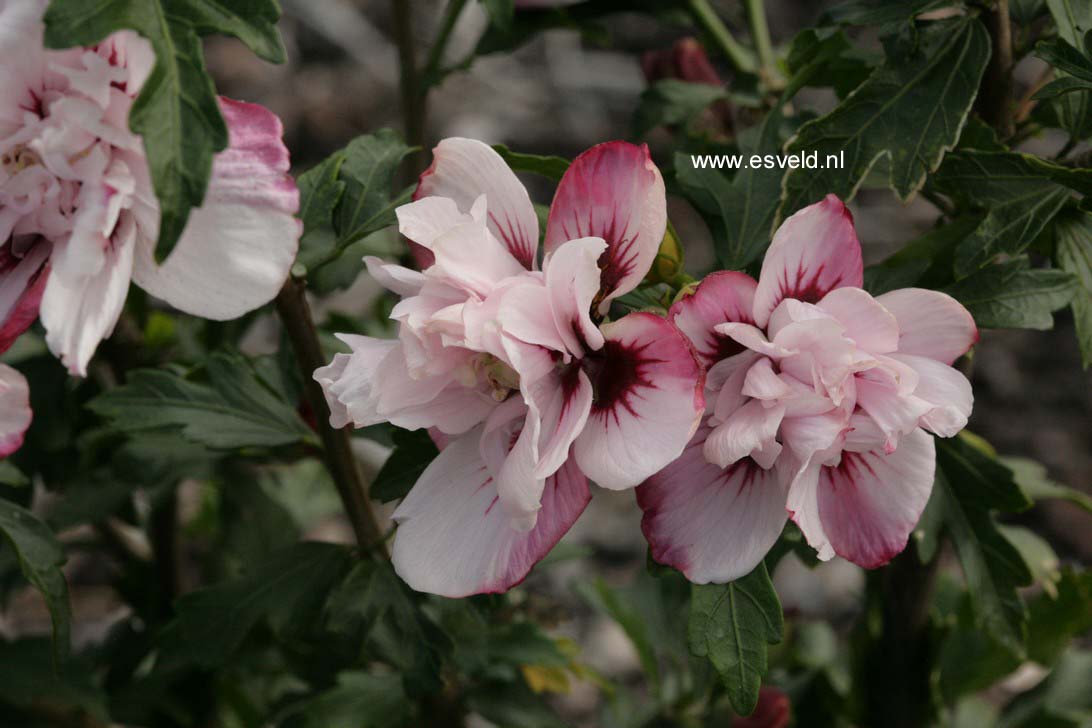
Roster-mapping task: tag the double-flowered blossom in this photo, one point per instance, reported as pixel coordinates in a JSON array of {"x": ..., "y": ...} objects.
[
  {"x": 513, "y": 366},
  {"x": 819, "y": 398},
  {"x": 78, "y": 214}
]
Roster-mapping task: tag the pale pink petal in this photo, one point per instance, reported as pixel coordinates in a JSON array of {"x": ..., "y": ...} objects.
[
  {"x": 803, "y": 503},
  {"x": 327, "y": 376},
  {"x": 762, "y": 382},
  {"x": 812, "y": 253},
  {"x": 522, "y": 310},
  {"x": 871, "y": 502},
  {"x": 22, "y": 282},
  {"x": 812, "y": 434},
  {"x": 724, "y": 383},
  {"x": 425, "y": 219},
  {"x": 238, "y": 247},
  {"x": 509, "y": 450},
  {"x": 751, "y": 427},
  {"x": 648, "y": 401},
  {"x": 395, "y": 278},
  {"x": 572, "y": 280},
  {"x": 15, "y": 414},
  {"x": 469, "y": 256},
  {"x": 752, "y": 338},
  {"x": 894, "y": 414},
  {"x": 871, "y": 326},
  {"x": 721, "y": 297},
  {"x": 946, "y": 389},
  {"x": 562, "y": 401},
  {"x": 79, "y": 311},
  {"x": 712, "y": 524},
  {"x": 455, "y": 540},
  {"x": 931, "y": 323},
  {"x": 463, "y": 170},
  {"x": 612, "y": 191}
]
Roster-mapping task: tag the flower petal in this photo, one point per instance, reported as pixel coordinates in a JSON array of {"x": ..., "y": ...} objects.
[
  {"x": 454, "y": 541},
  {"x": 395, "y": 278},
  {"x": 721, "y": 297},
  {"x": 871, "y": 502},
  {"x": 79, "y": 311},
  {"x": 946, "y": 389},
  {"x": 15, "y": 414},
  {"x": 931, "y": 323},
  {"x": 238, "y": 247},
  {"x": 712, "y": 524},
  {"x": 22, "y": 283},
  {"x": 751, "y": 427},
  {"x": 463, "y": 170},
  {"x": 871, "y": 326},
  {"x": 812, "y": 253},
  {"x": 612, "y": 191},
  {"x": 572, "y": 280},
  {"x": 648, "y": 401}
]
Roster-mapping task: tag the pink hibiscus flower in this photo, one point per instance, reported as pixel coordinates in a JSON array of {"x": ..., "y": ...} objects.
[
  {"x": 78, "y": 214},
  {"x": 819, "y": 400},
  {"x": 15, "y": 412},
  {"x": 531, "y": 390}
]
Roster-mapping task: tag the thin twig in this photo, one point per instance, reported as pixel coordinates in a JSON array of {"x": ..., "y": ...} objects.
[
  {"x": 413, "y": 101},
  {"x": 995, "y": 103},
  {"x": 760, "y": 35},
  {"x": 707, "y": 19},
  {"x": 432, "y": 73},
  {"x": 295, "y": 314}
]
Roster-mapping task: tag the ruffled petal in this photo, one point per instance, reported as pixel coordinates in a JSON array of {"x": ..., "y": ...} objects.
[
  {"x": 648, "y": 401},
  {"x": 22, "y": 283},
  {"x": 871, "y": 502},
  {"x": 947, "y": 390},
  {"x": 572, "y": 280},
  {"x": 931, "y": 323},
  {"x": 721, "y": 297},
  {"x": 612, "y": 191},
  {"x": 238, "y": 247},
  {"x": 453, "y": 538},
  {"x": 79, "y": 311},
  {"x": 751, "y": 427},
  {"x": 871, "y": 326},
  {"x": 465, "y": 169},
  {"x": 812, "y": 253},
  {"x": 15, "y": 414},
  {"x": 712, "y": 524}
]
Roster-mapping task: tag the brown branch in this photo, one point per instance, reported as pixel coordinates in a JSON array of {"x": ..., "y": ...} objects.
[
  {"x": 296, "y": 316},
  {"x": 995, "y": 102},
  {"x": 413, "y": 101}
]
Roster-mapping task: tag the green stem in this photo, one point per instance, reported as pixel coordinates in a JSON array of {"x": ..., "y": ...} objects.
[
  {"x": 431, "y": 76},
  {"x": 344, "y": 469},
  {"x": 707, "y": 19},
  {"x": 760, "y": 34}
]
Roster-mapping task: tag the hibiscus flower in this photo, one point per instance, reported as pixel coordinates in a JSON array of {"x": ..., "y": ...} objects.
[
  {"x": 531, "y": 389},
  {"x": 819, "y": 397},
  {"x": 79, "y": 217}
]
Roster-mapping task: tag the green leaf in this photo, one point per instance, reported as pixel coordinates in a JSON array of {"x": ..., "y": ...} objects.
[
  {"x": 1019, "y": 198},
  {"x": 905, "y": 116},
  {"x": 1061, "y": 87},
  {"x": 368, "y": 170},
  {"x": 288, "y": 592},
  {"x": 30, "y": 676},
  {"x": 1061, "y": 700},
  {"x": 971, "y": 483},
  {"x": 512, "y": 706},
  {"x": 1061, "y": 54},
  {"x": 880, "y": 12},
  {"x": 732, "y": 624},
  {"x": 40, "y": 558},
  {"x": 236, "y": 409},
  {"x": 546, "y": 166},
  {"x": 1070, "y": 111},
  {"x": 501, "y": 13},
  {"x": 672, "y": 102},
  {"x": 1011, "y": 295},
  {"x": 413, "y": 452},
  {"x": 1055, "y": 619},
  {"x": 746, "y": 205},
  {"x": 321, "y": 188},
  {"x": 12, "y": 476},
  {"x": 360, "y": 700},
  {"x": 970, "y": 659},
  {"x": 1033, "y": 480},
  {"x": 372, "y": 596},
  {"x": 925, "y": 261},
  {"x": 1073, "y": 252},
  {"x": 176, "y": 113}
]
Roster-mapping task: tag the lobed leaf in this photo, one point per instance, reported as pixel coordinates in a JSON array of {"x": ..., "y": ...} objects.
[
  {"x": 1011, "y": 295},
  {"x": 732, "y": 624},
  {"x": 1073, "y": 253},
  {"x": 413, "y": 451}
]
